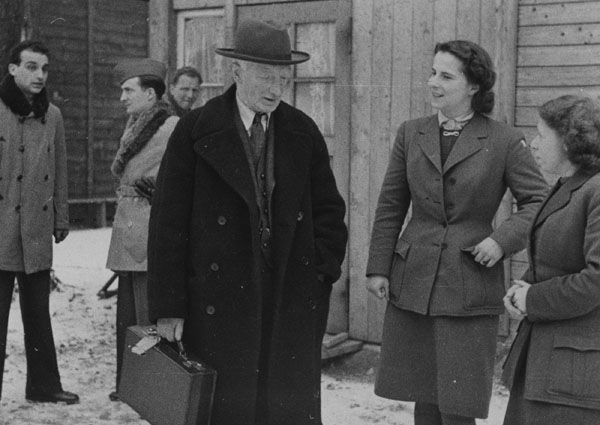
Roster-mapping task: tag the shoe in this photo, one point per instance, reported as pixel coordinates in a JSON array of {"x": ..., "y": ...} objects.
[
  {"x": 114, "y": 396},
  {"x": 59, "y": 397}
]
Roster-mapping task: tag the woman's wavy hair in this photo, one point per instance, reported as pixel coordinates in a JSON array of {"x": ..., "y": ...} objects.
[
  {"x": 576, "y": 119},
  {"x": 478, "y": 69}
]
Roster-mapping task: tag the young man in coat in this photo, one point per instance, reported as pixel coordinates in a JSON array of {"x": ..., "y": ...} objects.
[
  {"x": 33, "y": 207},
  {"x": 247, "y": 236},
  {"x": 136, "y": 165}
]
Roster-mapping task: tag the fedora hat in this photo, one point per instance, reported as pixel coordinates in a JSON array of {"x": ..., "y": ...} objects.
[{"x": 257, "y": 41}]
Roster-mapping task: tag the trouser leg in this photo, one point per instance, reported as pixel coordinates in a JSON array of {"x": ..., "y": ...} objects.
[
  {"x": 42, "y": 367},
  {"x": 7, "y": 282},
  {"x": 429, "y": 414},
  {"x": 125, "y": 315}
]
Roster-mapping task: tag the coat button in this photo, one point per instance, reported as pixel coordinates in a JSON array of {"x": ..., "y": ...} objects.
[
  {"x": 210, "y": 310},
  {"x": 444, "y": 245},
  {"x": 214, "y": 267},
  {"x": 18, "y": 208},
  {"x": 312, "y": 305},
  {"x": 46, "y": 177},
  {"x": 300, "y": 216},
  {"x": 221, "y": 220},
  {"x": 262, "y": 176},
  {"x": 1, "y": 197},
  {"x": 45, "y": 207},
  {"x": 452, "y": 180},
  {"x": 19, "y": 177},
  {"x": 21, "y": 148},
  {"x": 450, "y": 207},
  {"x": 304, "y": 261},
  {"x": 2, "y": 139}
]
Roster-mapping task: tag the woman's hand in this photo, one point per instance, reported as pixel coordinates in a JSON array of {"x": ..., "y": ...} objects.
[
  {"x": 515, "y": 299},
  {"x": 379, "y": 286},
  {"x": 487, "y": 252}
]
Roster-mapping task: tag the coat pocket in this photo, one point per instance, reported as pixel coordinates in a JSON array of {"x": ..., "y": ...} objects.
[
  {"x": 575, "y": 367},
  {"x": 398, "y": 266},
  {"x": 482, "y": 286}
]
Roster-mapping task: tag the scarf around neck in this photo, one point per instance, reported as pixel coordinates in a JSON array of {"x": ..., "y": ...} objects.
[
  {"x": 13, "y": 97},
  {"x": 138, "y": 131}
]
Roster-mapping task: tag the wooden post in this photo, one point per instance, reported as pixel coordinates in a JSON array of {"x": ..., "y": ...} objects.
[
  {"x": 90, "y": 99},
  {"x": 159, "y": 18}
]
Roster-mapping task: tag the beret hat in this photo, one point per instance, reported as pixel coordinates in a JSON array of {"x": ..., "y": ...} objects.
[{"x": 129, "y": 68}]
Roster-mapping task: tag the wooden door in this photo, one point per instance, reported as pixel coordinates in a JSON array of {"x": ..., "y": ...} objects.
[{"x": 320, "y": 88}]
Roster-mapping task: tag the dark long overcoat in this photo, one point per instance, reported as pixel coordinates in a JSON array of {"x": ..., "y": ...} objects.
[
  {"x": 563, "y": 303},
  {"x": 204, "y": 262}
]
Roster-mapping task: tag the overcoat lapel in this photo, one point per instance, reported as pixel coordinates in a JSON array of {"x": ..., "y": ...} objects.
[
  {"x": 559, "y": 197},
  {"x": 221, "y": 146},
  {"x": 293, "y": 149},
  {"x": 429, "y": 141},
  {"x": 468, "y": 143}
]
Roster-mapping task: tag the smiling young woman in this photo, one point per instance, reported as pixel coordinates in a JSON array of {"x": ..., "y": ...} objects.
[{"x": 443, "y": 277}]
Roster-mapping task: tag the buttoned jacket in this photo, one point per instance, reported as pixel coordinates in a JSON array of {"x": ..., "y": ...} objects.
[
  {"x": 33, "y": 188},
  {"x": 430, "y": 268},
  {"x": 562, "y": 327},
  {"x": 205, "y": 261}
]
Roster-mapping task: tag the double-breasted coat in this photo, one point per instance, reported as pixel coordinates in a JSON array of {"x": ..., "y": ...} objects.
[
  {"x": 562, "y": 327},
  {"x": 129, "y": 238},
  {"x": 205, "y": 264},
  {"x": 453, "y": 205},
  {"x": 33, "y": 188}
]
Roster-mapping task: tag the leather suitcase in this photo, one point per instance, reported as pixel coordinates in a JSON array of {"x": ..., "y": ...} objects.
[{"x": 163, "y": 386}]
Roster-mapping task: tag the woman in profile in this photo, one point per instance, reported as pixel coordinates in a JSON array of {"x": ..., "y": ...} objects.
[
  {"x": 553, "y": 368},
  {"x": 443, "y": 277}
]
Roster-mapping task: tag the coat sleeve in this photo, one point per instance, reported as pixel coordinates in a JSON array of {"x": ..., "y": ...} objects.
[
  {"x": 168, "y": 232},
  {"x": 61, "y": 205},
  {"x": 528, "y": 187},
  {"x": 572, "y": 295},
  {"x": 392, "y": 207},
  {"x": 328, "y": 210}
]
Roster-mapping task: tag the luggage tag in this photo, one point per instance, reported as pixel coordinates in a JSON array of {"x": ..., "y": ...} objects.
[{"x": 146, "y": 342}]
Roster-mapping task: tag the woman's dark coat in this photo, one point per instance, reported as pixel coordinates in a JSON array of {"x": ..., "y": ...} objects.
[
  {"x": 453, "y": 207},
  {"x": 563, "y": 303},
  {"x": 204, "y": 260}
]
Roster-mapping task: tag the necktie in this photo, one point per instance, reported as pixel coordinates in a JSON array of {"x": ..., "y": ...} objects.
[{"x": 257, "y": 136}]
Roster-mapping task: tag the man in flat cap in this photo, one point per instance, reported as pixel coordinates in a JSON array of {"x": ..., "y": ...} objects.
[
  {"x": 33, "y": 208},
  {"x": 136, "y": 165},
  {"x": 247, "y": 236}
]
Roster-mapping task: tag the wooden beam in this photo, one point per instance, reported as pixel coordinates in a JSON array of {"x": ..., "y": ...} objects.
[
  {"x": 90, "y": 99},
  {"x": 158, "y": 29}
]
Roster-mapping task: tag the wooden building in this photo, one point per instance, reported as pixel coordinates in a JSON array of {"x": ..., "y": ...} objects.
[
  {"x": 86, "y": 39},
  {"x": 370, "y": 62}
]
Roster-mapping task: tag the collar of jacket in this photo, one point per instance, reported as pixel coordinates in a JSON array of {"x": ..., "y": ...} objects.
[
  {"x": 217, "y": 140},
  {"x": 14, "y": 98},
  {"x": 560, "y": 196},
  {"x": 467, "y": 144}
]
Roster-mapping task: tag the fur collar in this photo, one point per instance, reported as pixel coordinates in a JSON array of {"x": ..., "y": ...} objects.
[
  {"x": 138, "y": 132},
  {"x": 14, "y": 98}
]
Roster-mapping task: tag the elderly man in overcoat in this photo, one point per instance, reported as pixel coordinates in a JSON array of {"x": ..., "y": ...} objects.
[
  {"x": 247, "y": 236},
  {"x": 33, "y": 207}
]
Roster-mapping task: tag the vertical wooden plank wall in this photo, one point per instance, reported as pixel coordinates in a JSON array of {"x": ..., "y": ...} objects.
[
  {"x": 390, "y": 72},
  {"x": 558, "y": 53}
]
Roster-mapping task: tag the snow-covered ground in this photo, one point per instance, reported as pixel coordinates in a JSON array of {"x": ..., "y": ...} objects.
[{"x": 84, "y": 333}]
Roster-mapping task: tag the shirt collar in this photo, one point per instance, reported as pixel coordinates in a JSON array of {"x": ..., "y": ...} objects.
[
  {"x": 460, "y": 119},
  {"x": 247, "y": 115}
]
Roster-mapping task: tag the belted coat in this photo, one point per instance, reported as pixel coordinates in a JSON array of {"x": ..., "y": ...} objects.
[
  {"x": 129, "y": 238},
  {"x": 453, "y": 205},
  {"x": 205, "y": 265},
  {"x": 562, "y": 327},
  {"x": 33, "y": 188}
]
